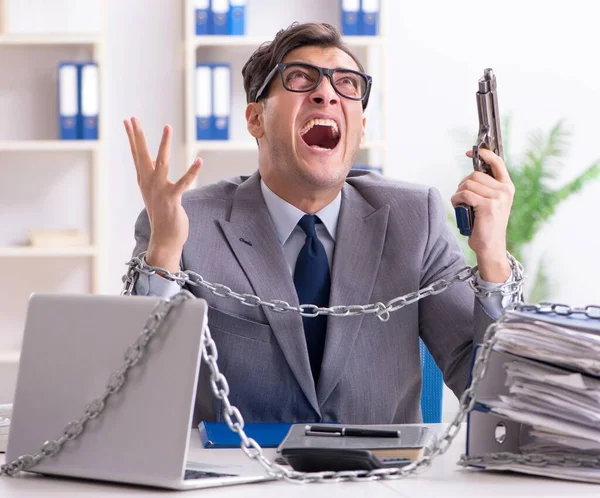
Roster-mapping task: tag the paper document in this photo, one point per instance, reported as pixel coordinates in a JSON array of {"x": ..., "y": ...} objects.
[{"x": 550, "y": 385}]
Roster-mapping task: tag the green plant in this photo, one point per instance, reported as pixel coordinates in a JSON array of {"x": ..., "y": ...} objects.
[{"x": 536, "y": 199}]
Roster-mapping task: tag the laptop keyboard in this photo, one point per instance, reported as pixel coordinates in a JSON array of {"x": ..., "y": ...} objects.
[{"x": 200, "y": 474}]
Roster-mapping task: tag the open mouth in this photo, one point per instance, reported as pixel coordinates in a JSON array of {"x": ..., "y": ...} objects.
[{"x": 321, "y": 134}]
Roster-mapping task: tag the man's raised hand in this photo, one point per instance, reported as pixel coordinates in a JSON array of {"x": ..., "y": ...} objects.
[{"x": 169, "y": 223}]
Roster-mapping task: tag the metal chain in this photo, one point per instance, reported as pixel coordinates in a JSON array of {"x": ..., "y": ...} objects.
[
  {"x": 591, "y": 311},
  {"x": 514, "y": 288},
  {"x": 531, "y": 459},
  {"x": 220, "y": 387},
  {"x": 252, "y": 449},
  {"x": 136, "y": 352}
]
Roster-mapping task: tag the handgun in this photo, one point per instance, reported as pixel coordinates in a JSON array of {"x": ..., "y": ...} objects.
[{"x": 489, "y": 137}]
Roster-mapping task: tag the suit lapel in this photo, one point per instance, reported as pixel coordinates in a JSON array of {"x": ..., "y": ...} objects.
[
  {"x": 264, "y": 264},
  {"x": 358, "y": 249}
]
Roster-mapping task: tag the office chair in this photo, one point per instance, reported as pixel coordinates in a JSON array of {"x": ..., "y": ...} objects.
[{"x": 431, "y": 388}]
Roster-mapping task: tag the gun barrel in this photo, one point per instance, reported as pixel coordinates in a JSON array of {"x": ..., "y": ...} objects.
[{"x": 490, "y": 135}]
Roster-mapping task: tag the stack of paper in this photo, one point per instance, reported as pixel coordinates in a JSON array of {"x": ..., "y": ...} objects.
[
  {"x": 552, "y": 386},
  {"x": 569, "y": 341}
]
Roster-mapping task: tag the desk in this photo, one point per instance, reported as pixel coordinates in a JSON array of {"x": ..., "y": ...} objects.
[{"x": 444, "y": 479}]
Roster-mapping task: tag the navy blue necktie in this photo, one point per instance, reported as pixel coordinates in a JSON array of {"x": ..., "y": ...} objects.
[{"x": 312, "y": 281}]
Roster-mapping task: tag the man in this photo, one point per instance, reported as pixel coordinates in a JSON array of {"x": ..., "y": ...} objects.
[{"x": 372, "y": 239}]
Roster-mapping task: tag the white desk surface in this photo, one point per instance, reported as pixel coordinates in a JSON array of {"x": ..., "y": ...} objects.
[{"x": 444, "y": 479}]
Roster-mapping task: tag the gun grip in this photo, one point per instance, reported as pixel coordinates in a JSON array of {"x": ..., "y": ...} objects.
[{"x": 464, "y": 219}]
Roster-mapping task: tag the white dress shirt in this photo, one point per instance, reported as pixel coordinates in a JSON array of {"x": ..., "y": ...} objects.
[{"x": 285, "y": 218}]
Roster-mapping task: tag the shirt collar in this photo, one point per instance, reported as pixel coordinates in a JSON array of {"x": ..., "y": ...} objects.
[{"x": 285, "y": 216}]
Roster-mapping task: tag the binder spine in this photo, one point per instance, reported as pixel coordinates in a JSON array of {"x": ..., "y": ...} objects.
[
  {"x": 221, "y": 83},
  {"x": 202, "y": 10},
  {"x": 350, "y": 17},
  {"x": 68, "y": 104},
  {"x": 370, "y": 17},
  {"x": 89, "y": 101},
  {"x": 219, "y": 10},
  {"x": 203, "y": 101},
  {"x": 482, "y": 423},
  {"x": 237, "y": 17}
]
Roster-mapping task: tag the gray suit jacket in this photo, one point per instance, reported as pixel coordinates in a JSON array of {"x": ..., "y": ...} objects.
[{"x": 392, "y": 239}]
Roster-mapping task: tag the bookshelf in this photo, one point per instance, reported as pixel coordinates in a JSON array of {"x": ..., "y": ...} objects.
[
  {"x": 36, "y": 162},
  {"x": 47, "y": 252},
  {"x": 239, "y": 154}
]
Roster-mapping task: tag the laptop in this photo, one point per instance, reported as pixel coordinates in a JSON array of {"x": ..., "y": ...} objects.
[{"x": 71, "y": 345}]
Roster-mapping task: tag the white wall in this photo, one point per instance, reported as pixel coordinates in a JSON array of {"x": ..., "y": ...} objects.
[
  {"x": 145, "y": 64},
  {"x": 543, "y": 54}
]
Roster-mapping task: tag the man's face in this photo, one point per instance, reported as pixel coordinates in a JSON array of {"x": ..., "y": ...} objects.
[{"x": 310, "y": 138}]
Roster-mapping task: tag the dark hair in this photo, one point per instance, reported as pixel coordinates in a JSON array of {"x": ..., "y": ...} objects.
[{"x": 264, "y": 59}]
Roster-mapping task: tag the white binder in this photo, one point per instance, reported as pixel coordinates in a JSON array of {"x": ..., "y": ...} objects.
[
  {"x": 68, "y": 100},
  {"x": 221, "y": 100},
  {"x": 203, "y": 101},
  {"x": 90, "y": 101}
]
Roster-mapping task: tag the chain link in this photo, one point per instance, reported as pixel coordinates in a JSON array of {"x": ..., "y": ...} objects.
[
  {"x": 234, "y": 419},
  {"x": 137, "y": 265},
  {"x": 531, "y": 459},
  {"x": 590, "y": 311}
]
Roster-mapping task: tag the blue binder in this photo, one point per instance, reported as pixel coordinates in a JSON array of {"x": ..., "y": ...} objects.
[
  {"x": 369, "y": 23},
  {"x": 221, "y": 101},
  {"x": 203, "y": 101},
  {"x": 68, "y": 100},
  {"x": 89, "y": 100},
  {"x": 219, "y": 15},
  {"x": 350, "y": 17},
  {"x": 202, "y": 10},
  {"x": 219, "y": 435},
  {"x": 237, "y": 17}
]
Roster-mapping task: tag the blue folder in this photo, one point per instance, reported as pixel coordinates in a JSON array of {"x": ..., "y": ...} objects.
[
  {"x": 351, "y": 15},
  {"x": 219, "y": 435},
  {"x": 219, "y": 17},
  {"x": 202, "y": 17},
  {"x": 237, "y": 17},
  {"x": 369, "y": 22}
]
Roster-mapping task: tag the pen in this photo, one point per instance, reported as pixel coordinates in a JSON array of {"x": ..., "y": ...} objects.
[{"x": 327, "y": 430}]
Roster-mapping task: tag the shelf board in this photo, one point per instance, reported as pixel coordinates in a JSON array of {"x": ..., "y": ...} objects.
[
  {"x": 8, "y": 356},
  {"x": 255, "y": 41},
  {"x": 250, "y": 146},
  {"x": 49, "y": 145},
  {"x": 82, "y": 39},
  {"x": 46, "y": 252}
]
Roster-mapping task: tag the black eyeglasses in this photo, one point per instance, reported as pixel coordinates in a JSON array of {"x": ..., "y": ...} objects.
[{"x": 303, "y": 77}]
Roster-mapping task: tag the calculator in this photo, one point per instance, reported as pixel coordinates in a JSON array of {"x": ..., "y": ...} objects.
[{"x": 338, "y": 459}]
